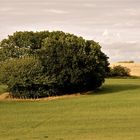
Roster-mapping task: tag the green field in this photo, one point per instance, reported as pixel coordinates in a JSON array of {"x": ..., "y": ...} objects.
[{"x": 113, "y": 113}]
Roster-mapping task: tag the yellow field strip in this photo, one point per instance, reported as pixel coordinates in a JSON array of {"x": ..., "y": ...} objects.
[{"x": 134, "y": 67}]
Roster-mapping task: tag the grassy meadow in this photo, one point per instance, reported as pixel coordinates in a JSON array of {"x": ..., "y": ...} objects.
[{"x": 112, "y": 113}]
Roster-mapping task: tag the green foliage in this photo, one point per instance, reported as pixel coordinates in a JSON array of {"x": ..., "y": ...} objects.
[
  {"x": 119, "y": 71},
  {"x": 51, "y": 63},
  {"x": 23, "y": 76},
  {"x": 13, "y": 52},
  {"x": 75, "y": 64},
  {"x": 25, "y": 39},
  {"x": 3, "y": 88},
  {"x": 21, "y": 44}
]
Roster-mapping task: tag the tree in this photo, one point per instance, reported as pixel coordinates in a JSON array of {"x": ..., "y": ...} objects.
[
  {"x": 21, "y": 44},
  {"x": 75, "y": 63},
  {"x": 23, "y": 76},
  {"x": 46, "y": 63},
  {"x": 119, "y": 71}
]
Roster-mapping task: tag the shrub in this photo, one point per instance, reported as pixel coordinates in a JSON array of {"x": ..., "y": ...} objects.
[
  {"x": 23, "y": 76},
  {"x": 131, "y": 61},
  {"x": 119, "y": 71}
]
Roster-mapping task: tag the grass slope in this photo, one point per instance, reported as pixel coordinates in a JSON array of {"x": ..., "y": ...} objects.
[{"x": 113, "y": 113}]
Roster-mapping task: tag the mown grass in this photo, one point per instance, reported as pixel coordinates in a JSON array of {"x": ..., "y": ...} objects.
[
  {"x": 112, "y": 113},
  {"x": 3, "y": 88}
]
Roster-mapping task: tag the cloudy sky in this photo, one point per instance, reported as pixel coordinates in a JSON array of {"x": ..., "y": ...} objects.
[{"x": 115, "y": 24}]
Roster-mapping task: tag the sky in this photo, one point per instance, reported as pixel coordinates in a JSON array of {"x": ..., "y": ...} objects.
[{"x": 115, "y": 24}]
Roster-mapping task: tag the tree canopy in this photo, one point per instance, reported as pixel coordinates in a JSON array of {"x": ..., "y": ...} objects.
[{"x": 60, "y": 63}]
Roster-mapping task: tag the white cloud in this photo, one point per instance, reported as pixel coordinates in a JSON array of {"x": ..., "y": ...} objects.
[
  {"x": 5, "y": 9},
  {"x": 55, "y": 11},
  {"x": 118, "y": 51},
  {"x": 89, "y": 5},
  {"x": 118, "y": 36},
  {"x": 105, "y": 21},
  {"x": 105, "y": 33},
  {"x": 131, "y": 11}
]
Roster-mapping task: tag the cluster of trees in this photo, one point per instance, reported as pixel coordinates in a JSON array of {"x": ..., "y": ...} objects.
[
  {"x": 119, "y": 71},
  {"x": 130, "y": 61},
  {"x": 38, "y": 64}
]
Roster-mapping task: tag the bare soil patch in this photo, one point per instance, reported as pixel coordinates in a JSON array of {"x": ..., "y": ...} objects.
[{"x": 4, "y": 96}]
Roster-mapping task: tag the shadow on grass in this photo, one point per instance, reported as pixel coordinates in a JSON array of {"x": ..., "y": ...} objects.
[{"x": 108, "y": 89}]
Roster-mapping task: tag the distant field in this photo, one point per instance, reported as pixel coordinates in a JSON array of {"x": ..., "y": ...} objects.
[
  {"x": 113, "y": 113},
  {"x": 134, "y": 67}
]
